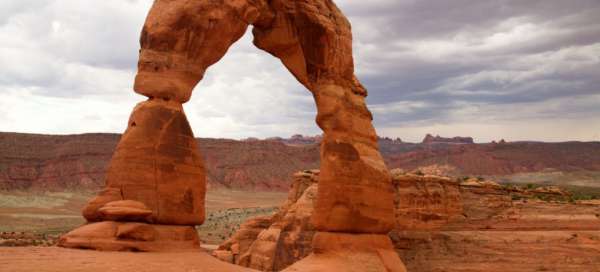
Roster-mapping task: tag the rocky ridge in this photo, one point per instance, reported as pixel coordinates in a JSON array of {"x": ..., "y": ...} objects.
[
  {"x": 79, "y": 162},
  {"x": 430, "y": 139}
]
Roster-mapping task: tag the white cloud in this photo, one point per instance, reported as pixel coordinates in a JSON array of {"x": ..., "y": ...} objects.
[{"x": 524, "y": 71}]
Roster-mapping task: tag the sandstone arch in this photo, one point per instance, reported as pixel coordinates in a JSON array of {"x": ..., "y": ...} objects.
[{"x": 156, "y": 163}]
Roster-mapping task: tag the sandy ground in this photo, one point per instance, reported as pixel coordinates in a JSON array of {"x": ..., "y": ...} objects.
[
  {"x": 50, "y": 259},
  {"x": 55, "y": 213}
]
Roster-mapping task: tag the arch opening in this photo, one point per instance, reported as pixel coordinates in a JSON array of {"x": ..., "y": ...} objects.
[
  {"x": 250, "y": 94},
  {"x": 157, "y": 176}
]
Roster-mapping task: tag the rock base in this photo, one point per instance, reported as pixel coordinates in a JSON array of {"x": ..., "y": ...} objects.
[
  {"x": 127, "y": 236},
  {"x": 351, "y": 253}
]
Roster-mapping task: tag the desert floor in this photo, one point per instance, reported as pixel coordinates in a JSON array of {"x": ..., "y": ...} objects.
[
  {"x": 46, "y": 259},
  {"x": 46, "y": 215}
]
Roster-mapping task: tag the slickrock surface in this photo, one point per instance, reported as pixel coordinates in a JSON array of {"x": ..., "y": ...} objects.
[
  {"x": 446, "y": 225},
  {"x": 55, "y": 259}
]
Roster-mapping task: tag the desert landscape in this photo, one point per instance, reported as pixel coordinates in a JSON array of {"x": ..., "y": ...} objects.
[
  {"x": 210, "y": 184},
  {"x": 447, "y": 218}
]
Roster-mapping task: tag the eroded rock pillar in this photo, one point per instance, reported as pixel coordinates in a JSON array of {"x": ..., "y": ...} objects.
[
  {"x": 355, "y": 186},
  {"x": 354, "y": 207},
  {"x": 155, "y": 186}
]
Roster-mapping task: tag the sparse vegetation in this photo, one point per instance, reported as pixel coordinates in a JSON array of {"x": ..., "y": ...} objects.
[
  {"x": 222, "y": 224},
  {"x": 44, "y": 216}
]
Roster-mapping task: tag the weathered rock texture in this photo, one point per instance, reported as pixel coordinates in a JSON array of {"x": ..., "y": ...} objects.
[
  {"x": 446, "y": 225},
  {"x": 157, "y": 163},
  {"x": 506, "y": 229},
  {"x": 156, "y": 176},
  {"x": 274, "y": 243},
  {"x": 127, "y": 236},
  {"x": 181, "y": 39},
  {"x": 425, "y": 202}
]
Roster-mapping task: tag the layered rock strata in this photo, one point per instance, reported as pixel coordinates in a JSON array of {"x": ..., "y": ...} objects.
[{"x": 445, "y": 225}]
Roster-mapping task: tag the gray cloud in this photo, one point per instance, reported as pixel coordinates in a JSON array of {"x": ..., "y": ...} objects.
[
  {"x": 452, "y": 55},
  {"x": 430, "y": 66}
]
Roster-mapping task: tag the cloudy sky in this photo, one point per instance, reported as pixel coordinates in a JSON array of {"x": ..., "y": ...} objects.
[{"x": 519, "y": 70}]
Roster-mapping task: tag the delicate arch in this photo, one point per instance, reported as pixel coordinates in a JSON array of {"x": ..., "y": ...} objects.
[
  {"x": 313, "y": 39},
  {"x": 156, "y": 181}
]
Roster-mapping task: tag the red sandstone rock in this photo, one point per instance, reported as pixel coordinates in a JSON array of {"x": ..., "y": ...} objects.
[
  {"x": 430, "y": 139},
  {"x": 157, "y": 164},
  {"x": 288, "y": 237},
  {"x": 272, "y": 244},
  {"x": 117, "y": 236},
  {"x": 125, "y": 210},
  {"x": 443, "y": 225},
  {"x": 425, "y": 202},
  {"x": 156, "y": 175},
  {"x": 350, "y": 252},
  {"x": 90, "y": 211},
  {"x": 75, "y": 162},
  {"x": 179, "y": 45}
]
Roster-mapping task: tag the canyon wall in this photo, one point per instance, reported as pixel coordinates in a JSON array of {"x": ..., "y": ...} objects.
[
  {"x": 71, "y": 162},
  {"x": 443, "y": 225}
]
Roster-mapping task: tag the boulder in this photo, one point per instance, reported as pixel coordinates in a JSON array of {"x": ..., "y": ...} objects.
[
  {"x": 90, "y": 211},
  {"x": 125, "y": 210},
  {"x": 125, "y": 236}
]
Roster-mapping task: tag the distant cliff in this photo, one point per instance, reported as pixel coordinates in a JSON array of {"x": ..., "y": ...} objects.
[
  {"x": 430, "y": 139},
  {"x": 51, "y": 162}
]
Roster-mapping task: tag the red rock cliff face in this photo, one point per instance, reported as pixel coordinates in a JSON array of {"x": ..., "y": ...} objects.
[
  {"x": 52, "y": 162},
  {"x": 504, "y": 230},
  {"x": 430, "y": 139},
  {"x": 79, "y": 162},
  {"x": 426, "y": 202},
  {"x": 496, "y": 159},
  {"x": 443, "y": 225}
]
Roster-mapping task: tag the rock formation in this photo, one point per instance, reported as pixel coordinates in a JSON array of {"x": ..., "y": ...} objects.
[
  {"x": 157, "y": 163},
  {"x": 274, "y": 243},
  {"x": 156, "y": 176},
  {"x": 430, "y": 139},
  {"x": 76, "y": 162},
  {"x": 178, "y": 46},
  {"x": 425, "y": 202},
  {"x": 443, "y": 225}
]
